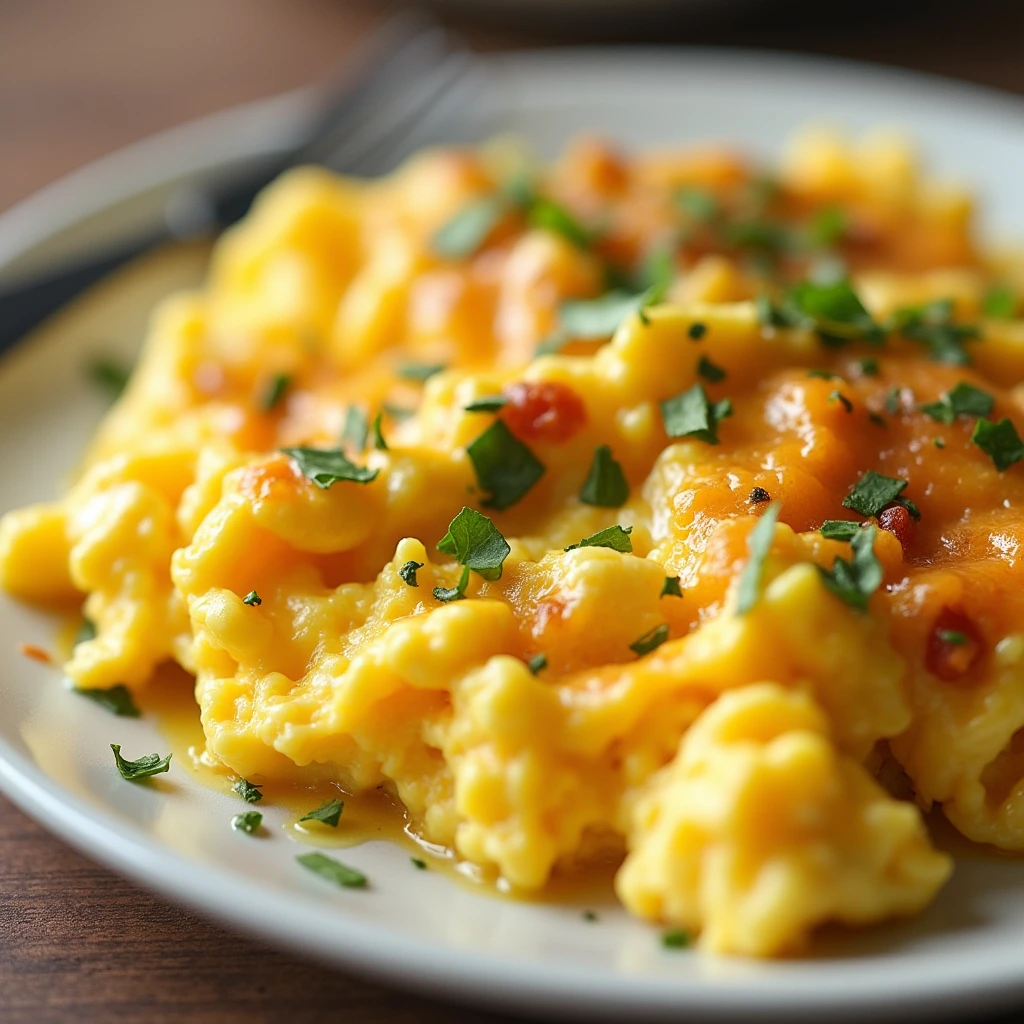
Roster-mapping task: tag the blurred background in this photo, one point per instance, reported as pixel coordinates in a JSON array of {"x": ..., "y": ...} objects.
[{"x": 79, "y": 78}]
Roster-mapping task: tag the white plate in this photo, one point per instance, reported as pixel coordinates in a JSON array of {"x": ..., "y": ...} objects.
[{"x": 414, "y": 928}]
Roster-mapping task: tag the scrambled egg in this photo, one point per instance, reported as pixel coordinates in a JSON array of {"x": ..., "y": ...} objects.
[{"x": 780, "y": 412}]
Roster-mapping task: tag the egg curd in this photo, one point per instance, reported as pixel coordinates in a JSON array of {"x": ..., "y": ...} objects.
[{"x": 650, "y": 503}]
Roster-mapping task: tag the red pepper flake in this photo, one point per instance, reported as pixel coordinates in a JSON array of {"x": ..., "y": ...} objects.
[
  {"x": 955, "y": 645},
  {"x": 35, "y": 653},
  {"x": 543, "y": 411},
  {"x": 897, "y": 521}
]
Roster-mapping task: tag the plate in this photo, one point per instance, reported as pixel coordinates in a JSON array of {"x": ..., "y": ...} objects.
[{"x": 413, "y": 928}]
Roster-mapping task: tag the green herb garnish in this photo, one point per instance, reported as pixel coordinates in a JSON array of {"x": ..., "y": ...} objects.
[
  {"x": 537, "y": 663},
  {"x": 476, "y": 543},
  {"x": 109, "y": 374},
  {"x": 418, "y": 863},
  {"x": 247, "y": 822},
  {"x": 855, "y": 581},
  {"x": 328, "y": 813},
  {"x": 953, "y": 637},
  {"x": 377, "y": 431},
  {"x": 469, "y": 228},
  {"x": 999, "y": 303},
  {"x": 248, "y": 791},
  {"x": 489, "y": 403},
  {"x": 963, "y": 400},
  {"x": 652, "y": 639},
  {"x": 115, "y": 699},
  {"x": 419, "y": 371},
  {"x": 828, "y": 227},
  {"x": 328, "y": 466},
  {"x": 759, "y": 543},
  {"x": 86, "y": 631},
  {"x": 873, "y": 492},
  {"x": 408, "y": 572},
  {"x": 823, "y": 375},
  {"x": 1000, "y": 441},
  {"x": 252, "y": 599},
  {"x": 868, "y": 366},
  {"x": 671, "y": 588},
  {"x": 456, "y": 593},
  {"x": 709, "y": 371},
  {"x": 831, "y": 309},
  {"x": 614, "y": 537},
  {"x": 143, "y": 768},
  {"x": 505, "y": 468},
  {"x": 333, "y": 870},
  {"x": 676, "y": 938},
  {"x": 838, "y": 396},
  {"x": 356, "y": 430},
  {"x": 839, "y": 529},
  {"x": 551, "y": 216},
  {"x": 699, "y": 204},
  {"x": 697, "y": 330},
  {"x": 691, "y": 414},
  {"x": 275, "y": 391},
  {"x": 606, "y": 485},
  {"x": 932, "y": 325}
]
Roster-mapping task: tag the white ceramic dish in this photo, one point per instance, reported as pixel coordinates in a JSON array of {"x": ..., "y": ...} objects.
[{"x": 414, "y": 928}]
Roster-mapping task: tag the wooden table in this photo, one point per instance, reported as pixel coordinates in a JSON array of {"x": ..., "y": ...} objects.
[{"x": 79, "y": 78}]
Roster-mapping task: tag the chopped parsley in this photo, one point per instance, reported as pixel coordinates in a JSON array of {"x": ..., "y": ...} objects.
[
  {"x": 932, "y": 325},
  {"x": 614, "y": 537},
  {"x": 758, "y": 496},
  {"x": 759, "y": 543},
  {"x": 252, "y": 598},
  {"x": 275, "y": 391},
  {"x": 893, "y": 401},
  {"x": 651, "y": 640},
  {"x": 597, "y": 318},
  {"x": 838, "y": 396},
  {"x": 419, "y": 371},
  {"x": 698, "y": 204},
  {"x": 828, "y": 227},
  {"x": 476, "y": 543},
  {"x": 855, "y": 581},
  {"x": 590, "y": 916},
  {"x": 408, "y": 572},
  {"x": 868, "y": 366},
  {"x": 378, "y": 433},
  {"x": 328, "y": 466},
  {"x": 877, "y": 420},
  {"x": 397, "y": 412},
  {"x": 505, "y": 468},
  {"x": 697, "y": 330},
  {"x": 333, "y": 870},
  {"x": 356, "y": 430},
  {"x": 999, "y": 303},
  {"x": 109, "y": 374},
  {"x": 116, "y": 699},
  {"x": 1000, "y": 441},
  {"x": 328, "y": 813},
  {"x": 248, "y": 791},
  {"x": 953, "y": 637},
  {"x": 671, "y": 588},
  {"x": 873, "y": 492},
  {"x": 86, "y": 631},
  {"x": 691, "y": 414},
  {"x": 676, "y": 938},
  {"x": 823, "y": 375},
  {"x": 143, "y": 768},
  {"x": 537, "y": 663},
  {"x": 551, "y": 216},
  {"x": 939, "y": 442},
  {"x": 468, "y": 229},
  {"x": 709, "y": 371},
  {"x": 489, "y": 403},
  {"x": 833, "y": 310},
  {"x": 839, "y": 529},
  {"x": 963, "y": 400},
  {"x": 418, "y": 863},
  {"x": 247, "y": 822},
  {"x": 606, "y": 485},
  {"x": 456, "y": 593}
]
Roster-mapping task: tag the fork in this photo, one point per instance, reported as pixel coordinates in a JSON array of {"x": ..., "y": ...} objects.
[{"x": 413, "y": 79}]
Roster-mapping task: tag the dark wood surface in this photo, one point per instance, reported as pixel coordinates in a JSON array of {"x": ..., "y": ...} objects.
[{"x": 79, "y": 78}]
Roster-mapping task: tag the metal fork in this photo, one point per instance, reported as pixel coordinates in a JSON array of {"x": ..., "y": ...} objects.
[{"x": 413, "y": 80}]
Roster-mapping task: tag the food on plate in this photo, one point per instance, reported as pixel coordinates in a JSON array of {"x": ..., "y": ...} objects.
[{"x": 651, "y": 503}]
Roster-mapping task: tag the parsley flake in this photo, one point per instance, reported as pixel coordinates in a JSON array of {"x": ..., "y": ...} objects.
[
  {"x": 418, "y": 863},
  {"x": 275, "y": 391},
  {"x": 86, "y": 631},
  {"x": 247, "y": 822},
  {"x": 953, "y": 637},
  {"x": 476, "y": 543},
  {"x": 671, "y": 588},
  {"x": 867, "y": 366},
  {"x": 378, "y": 433},
  {"x": 489, "y": 403},
  {"x": 328, "y": 813},
  {"x": 691, "y": 414},
  {"x": 697, "y": 330},
  {"x": 759, "y": 543},
  {"x": 698, "y": 204},
  {"x": 963, "y": 400},
  {"x": 551, "y": 216},
  {"x": 839, "y": 529},
  {"x": 109, "y": 374},
  {"x": 676, "y": 938},
  {"x": 651, "y": 640},
  {"x": 893, "y": 401},
  {"x": 248, "y": 791},
  {"x": 456, "y": 593},
  {"x": 252, "y": 599},
  {"x": 855, "y": 581},
  {"x": 614, "y": 537},
  {"x": 333, "y": 870},
  {"x": 356, "y": 430},
  {"x": 468, "y": 229},
  {"x": 1000, "y": 441},
  {"x": 143, "y": 768},
  {"x": 606, "y": 485},
  {"x": 999, "y": 303},
  {"x": 823, "y": 375},
  {"x": 932, "y": 325},
  {"x": 832, "y": 309},
  {"x": 709, "y": 371},
  {"x": 328, "y": 466},
  {"x": 419, "y": 371},
  {"x": 838, "y": 396},
  {"x": 590, "y": 916},
  {"x": 873, "y": 492},
  {"x": 408, "y": 572},
  {"x": 505, "y": 468},
  {"x": 116, "y": 699},
  {"x": 828, "y": 227},
  {"x": 537, "y": 663}
]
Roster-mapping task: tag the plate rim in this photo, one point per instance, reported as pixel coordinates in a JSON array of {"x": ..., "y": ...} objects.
[{"x": 201, "y": 146}]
